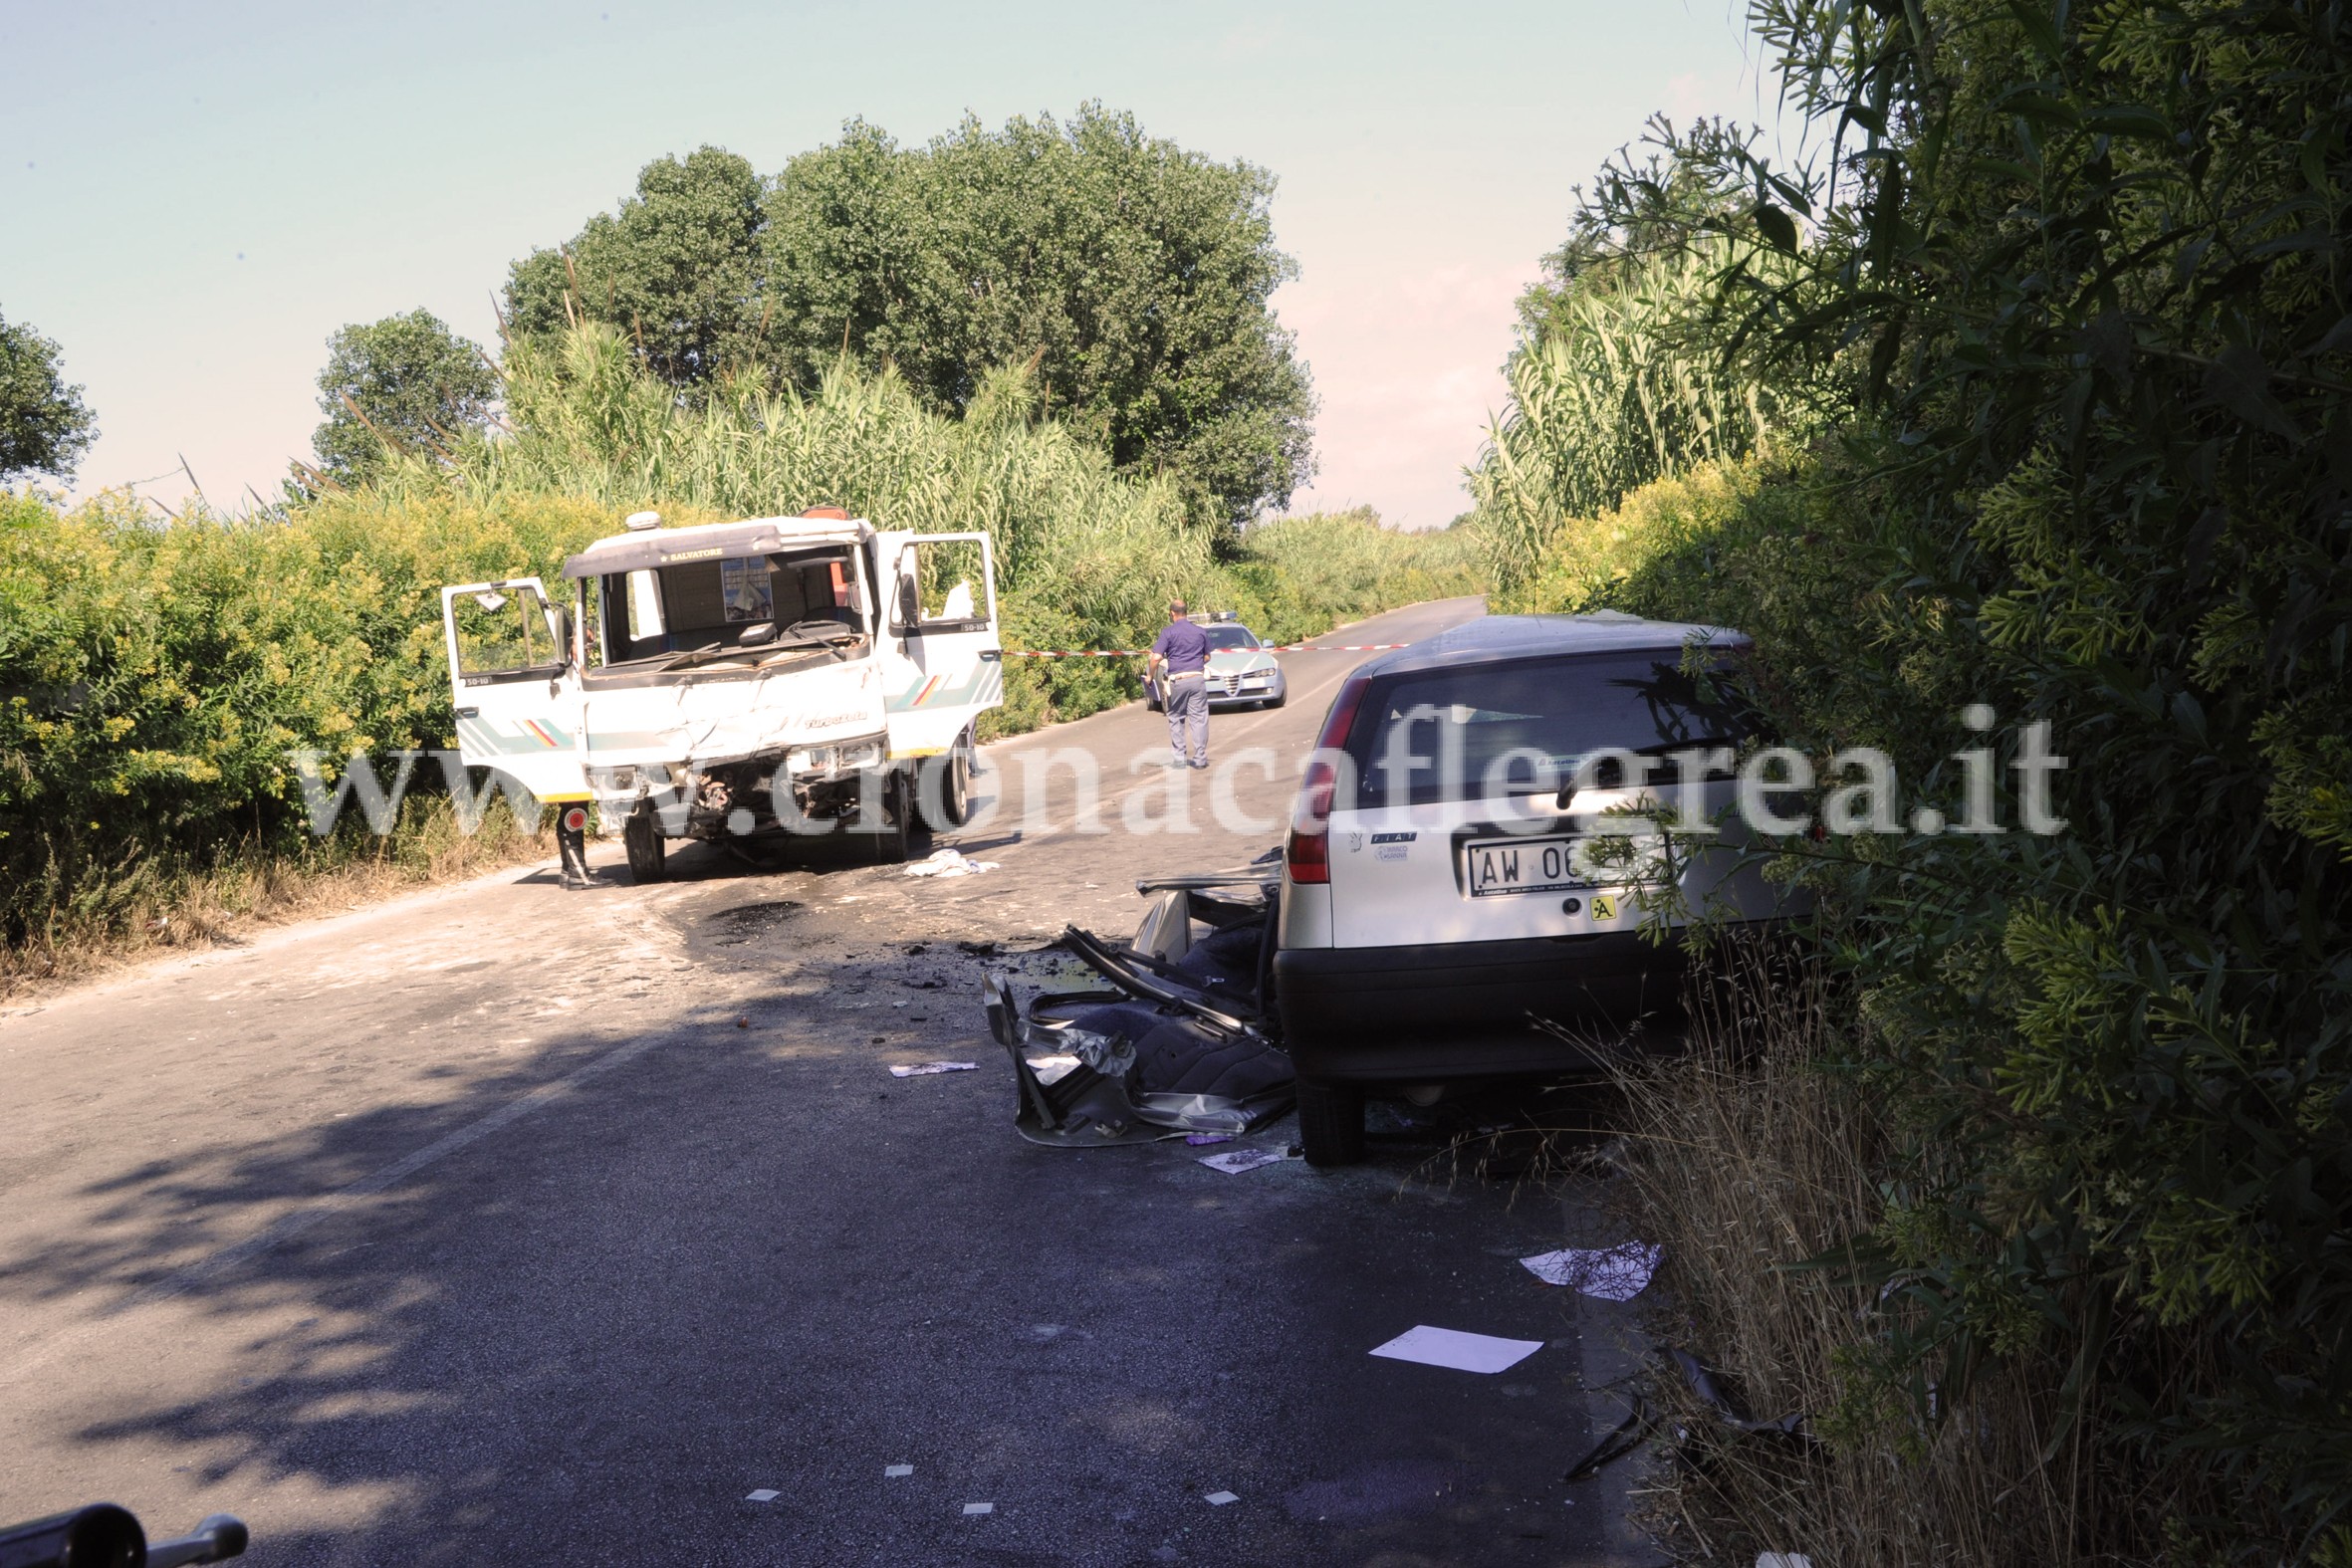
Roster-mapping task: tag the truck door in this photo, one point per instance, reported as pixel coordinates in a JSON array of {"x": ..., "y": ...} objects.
[
  {"x": 943, "y": 667},
  {"x": 514, "y": 669}
]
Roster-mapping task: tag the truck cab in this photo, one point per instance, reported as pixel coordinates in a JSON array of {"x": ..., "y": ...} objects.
[{"x": 801, "y": 675}]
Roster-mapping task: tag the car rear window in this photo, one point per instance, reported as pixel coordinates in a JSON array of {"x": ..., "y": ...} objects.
[{"x": 1488, "y": 730}]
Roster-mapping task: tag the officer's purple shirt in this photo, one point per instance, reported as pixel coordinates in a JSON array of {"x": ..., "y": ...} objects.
[{"x": 1184, "y": 645}]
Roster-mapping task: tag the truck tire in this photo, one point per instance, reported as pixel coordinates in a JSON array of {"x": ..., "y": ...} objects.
[
  {"x": 889, "y": 846},
  {"x": 944, "y": 793},
  {"x": 648, "y": 851},
  {"x": 1331, "y": 1122}
]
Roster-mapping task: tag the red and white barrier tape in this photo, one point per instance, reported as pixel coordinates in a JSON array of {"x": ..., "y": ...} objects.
[{"x": 1137, "y": 653}]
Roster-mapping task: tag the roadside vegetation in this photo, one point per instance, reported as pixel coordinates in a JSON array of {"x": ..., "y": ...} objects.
[
  {"x": 155, "y": 675},
  {"x": 2035, "y": 1203}
]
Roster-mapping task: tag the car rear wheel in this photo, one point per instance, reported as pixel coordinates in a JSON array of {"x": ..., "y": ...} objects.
[
  {"x": 1331, "y": 1122},
  {"x": 648, "y": 851}
]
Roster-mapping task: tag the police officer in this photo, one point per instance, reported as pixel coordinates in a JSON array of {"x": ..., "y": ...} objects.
[{"x": 1182, "y": 656}]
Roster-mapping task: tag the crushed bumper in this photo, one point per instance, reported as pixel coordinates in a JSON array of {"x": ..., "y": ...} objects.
[{"x": 1175, "y": 1043}]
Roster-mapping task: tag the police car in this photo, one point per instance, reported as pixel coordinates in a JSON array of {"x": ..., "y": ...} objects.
[{"x": 1241, "y": 672}]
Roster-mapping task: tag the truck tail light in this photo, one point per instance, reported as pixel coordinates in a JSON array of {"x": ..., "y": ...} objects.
[{"x": 1307, "y": 855}]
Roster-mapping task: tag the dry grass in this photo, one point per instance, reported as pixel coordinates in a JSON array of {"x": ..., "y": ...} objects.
[
  {"x": 1747, "y": 1155},
  {"x": 194, "y": 909}
]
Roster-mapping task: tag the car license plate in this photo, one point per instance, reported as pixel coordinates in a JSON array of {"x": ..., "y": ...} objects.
[{"x": 1531, "y": 865}]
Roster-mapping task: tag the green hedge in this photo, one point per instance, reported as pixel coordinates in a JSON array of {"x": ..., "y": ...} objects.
[{"x": 155, "y": 675}]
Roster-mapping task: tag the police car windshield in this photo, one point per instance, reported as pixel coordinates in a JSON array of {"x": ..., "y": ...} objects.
[{"x": 1231, "y": 637}]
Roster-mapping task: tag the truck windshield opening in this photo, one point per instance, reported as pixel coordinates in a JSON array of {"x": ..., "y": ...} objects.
[{"x": 747, "y": 604}]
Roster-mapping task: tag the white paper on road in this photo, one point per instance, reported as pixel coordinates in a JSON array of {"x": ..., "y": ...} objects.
[
  {"x": 927, "y": 1069},
  {"x": 979, "y": 1507},
  {"x": 1240, "y": 1159},
  {"x": 949, "y": 862},
  {"x": 1612, "y": 1274},
  {"x": 898, "y": 1469},
  {"x": 1218, "y": 1500},
  {"x": 763, "y": 1494},
  {"x": 1782, "y": 1560},
  {"x": 1450, "y": 1347}
]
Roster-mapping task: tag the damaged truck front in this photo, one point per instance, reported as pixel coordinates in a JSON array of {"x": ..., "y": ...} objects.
[{"x": 804, "y": 675}]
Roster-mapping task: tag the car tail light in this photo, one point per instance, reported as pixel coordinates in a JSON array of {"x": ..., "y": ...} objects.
[{"x": 1307, "y": 855}]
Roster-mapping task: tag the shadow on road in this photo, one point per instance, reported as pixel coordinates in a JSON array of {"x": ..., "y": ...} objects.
[{"x": 748, "y": 1258}]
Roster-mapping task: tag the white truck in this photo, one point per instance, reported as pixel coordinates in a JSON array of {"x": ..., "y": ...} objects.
[{"x": 807, "y": 674}]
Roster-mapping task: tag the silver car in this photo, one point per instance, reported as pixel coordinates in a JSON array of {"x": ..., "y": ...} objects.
[
  {"x": 1241, "y": 672},
  {"x": 1456, "y": 871}
]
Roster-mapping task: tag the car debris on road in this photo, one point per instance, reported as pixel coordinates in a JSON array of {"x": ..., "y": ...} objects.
[
  {"x": 1615, "y": 1273},
  {"x": 1457, "y": 1350},
  {"x": 949, "y": 862},
  {"x": 1175, "y": 1044},
  {"x": 1240, "y": 1159}
]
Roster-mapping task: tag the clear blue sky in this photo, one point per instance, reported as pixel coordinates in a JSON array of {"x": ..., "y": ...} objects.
[{"x": 196, "y": 196}]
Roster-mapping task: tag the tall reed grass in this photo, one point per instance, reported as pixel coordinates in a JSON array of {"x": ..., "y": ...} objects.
[
  {"x": 1629, "y": 379},
  {"x": 1755, "y": 1154}
]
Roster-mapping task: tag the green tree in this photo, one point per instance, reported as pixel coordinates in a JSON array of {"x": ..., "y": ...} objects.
[
  {"x": 1134, "y": 276},
  {"x": 406, "y": 381},
  {"x": 678, "y": 269},
  {"x": 44, "y": 426}
]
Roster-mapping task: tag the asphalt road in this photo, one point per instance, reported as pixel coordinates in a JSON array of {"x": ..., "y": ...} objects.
[{"x": 504, "y": 1224}]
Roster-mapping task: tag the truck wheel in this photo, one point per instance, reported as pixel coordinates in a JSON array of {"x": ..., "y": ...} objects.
[
  {"x": 648, "y": 851},
  {"x": 1331, "y": 1122},
  {"x": 944, "y": 793},
  {"x": 889, "y": 846}
]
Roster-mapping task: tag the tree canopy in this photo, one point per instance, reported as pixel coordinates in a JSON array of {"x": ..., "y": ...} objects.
[
  {"x": 44, "y": 426},
  {"x": 406, "y": 381},
  {"x": 678, "y": 270},
  {"x": 1134, "y": 275}
]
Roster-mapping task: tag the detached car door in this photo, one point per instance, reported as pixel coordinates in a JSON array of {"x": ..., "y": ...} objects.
[
  {"x": 944, "y": 665},
  {"x": 514, "y": 670}
]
